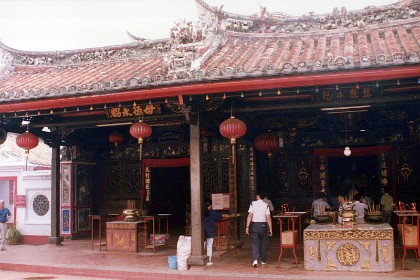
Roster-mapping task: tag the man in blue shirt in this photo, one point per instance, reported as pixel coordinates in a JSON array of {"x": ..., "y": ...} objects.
[
  {"x": 4, "y": 217},
  {"x": 320, "y": 205}
]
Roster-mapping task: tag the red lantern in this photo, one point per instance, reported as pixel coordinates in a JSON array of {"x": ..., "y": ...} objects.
[
  {"x": 3, "y": 135},
  {"x": 140, "y": 131},
  {"x": 116, "y": 138},
  {"x": 27, "y": 141},
  {"x": 266, "y": 143},
  {"x": 232, "y": 129}
]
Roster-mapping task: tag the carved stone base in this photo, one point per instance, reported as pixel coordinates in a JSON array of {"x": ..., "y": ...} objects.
[{"x": 197, "y": 260}]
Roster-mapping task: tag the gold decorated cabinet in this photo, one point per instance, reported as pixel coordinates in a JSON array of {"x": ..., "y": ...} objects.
[
  {"x": 365, "y": 247},
  {"x": 124, "y": 236}
]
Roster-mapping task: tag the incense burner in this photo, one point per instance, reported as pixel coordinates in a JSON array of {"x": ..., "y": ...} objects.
[{"x": 131, "y": 215}]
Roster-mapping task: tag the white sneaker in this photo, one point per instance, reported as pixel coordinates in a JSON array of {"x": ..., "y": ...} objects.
[
  {"x": 209, "y": 263},
  {"x": 263, "y": 262},
  {"x": 255, "y": 263}
]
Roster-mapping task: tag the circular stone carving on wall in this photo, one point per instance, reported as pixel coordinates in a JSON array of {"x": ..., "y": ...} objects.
[
  {"x": 348, "y": 254},
  {"x": 41, "y": 205}
]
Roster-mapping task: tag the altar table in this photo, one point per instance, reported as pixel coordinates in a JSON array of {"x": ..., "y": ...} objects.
[
  {"x": 223, "y": 230},
  {"x": 364, "y": 247},
  {"x": 122, "y": 236}
]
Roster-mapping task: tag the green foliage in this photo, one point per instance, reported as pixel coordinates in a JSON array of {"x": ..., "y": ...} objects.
[{"x": 13, "y": 235}]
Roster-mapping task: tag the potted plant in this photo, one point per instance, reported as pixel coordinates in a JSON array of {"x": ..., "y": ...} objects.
[{"x": 13, "y": 235}]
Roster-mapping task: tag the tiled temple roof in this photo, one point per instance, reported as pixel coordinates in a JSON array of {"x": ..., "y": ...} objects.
[{"x": 222, "y": 46}]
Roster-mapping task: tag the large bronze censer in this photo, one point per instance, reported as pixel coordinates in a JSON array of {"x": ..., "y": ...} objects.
[
  {"x": 348, "y": 215},
  {"x": 131, "y": 215}
]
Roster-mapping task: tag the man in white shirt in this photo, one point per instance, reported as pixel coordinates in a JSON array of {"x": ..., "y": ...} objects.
[
  {"x": 269, "y": 203},
  {"x": 360, "y": 208},
  {"x": 259, "y": 215}
]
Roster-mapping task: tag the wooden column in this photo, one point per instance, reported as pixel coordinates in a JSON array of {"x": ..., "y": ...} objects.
[
  {"x": 55, "y": 194},
  {"x": 197, "y": 229},
  {"x": 233, "y": 185}
]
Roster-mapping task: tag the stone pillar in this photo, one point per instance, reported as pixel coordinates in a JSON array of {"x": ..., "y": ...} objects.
[
  {"x": 55, "y": 195},
  {"x": 197, "y": 229}
]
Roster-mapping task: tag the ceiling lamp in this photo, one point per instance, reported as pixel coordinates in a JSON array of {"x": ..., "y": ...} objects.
[
  {"x": 3, "y": 135},
  {"x": 27, "y": 141},
  {"x": 347, "y": 151},
  {"x": 266, "y": 143},
  {"x": 232, "y": 129},
  {"x": 141, "y": 131}
]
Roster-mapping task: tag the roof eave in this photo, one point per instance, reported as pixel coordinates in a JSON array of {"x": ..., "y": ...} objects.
[{"x": 217, "y": 87}]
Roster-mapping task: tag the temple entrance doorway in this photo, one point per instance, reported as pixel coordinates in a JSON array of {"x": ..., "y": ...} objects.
[
  {"x": 360, "y": 173},
  {"x": 170, "y": 193}
]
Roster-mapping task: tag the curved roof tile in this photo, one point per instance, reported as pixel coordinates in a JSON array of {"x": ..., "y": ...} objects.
[{"x": 318, "y": 43}]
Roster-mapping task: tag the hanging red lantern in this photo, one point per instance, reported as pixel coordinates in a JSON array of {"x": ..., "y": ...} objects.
[
  {"x": 3, "y": 135},
  {"x": 266, "y": 143},
  {"x": 140, "y": 131},
  {"x": 116, "y": 138},
  {"x": 232, "y": 129},
  {"x": 27, "y": 141}
]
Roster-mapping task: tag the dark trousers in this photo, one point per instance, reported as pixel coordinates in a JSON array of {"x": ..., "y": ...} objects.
[
  {"x": 386, "y": 216},
  {"x": 259, "y": 241}
]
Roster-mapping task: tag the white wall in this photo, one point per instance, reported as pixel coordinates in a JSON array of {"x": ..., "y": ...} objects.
[
  {"x": 30, "y": 183},
  {"x": 33, "y": 184}
]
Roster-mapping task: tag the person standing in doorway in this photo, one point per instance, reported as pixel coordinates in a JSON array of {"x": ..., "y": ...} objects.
[
  {"x": 210, "y": 218},
  {"x": 259, "y": 215},
  {"x": 387, "y": 205},
  {"x": 269, "y": 203},
  {"x": 4, "y": 217}
]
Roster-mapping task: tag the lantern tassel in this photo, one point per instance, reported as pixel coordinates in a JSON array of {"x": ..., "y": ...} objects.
[
  {"x": 141, "y": 150},
  {"x": 233, "y": 142},
  {"x": 233, "y": 153},
  {"x": 27, "y": 158},
  {"x": 141, "y": 147}
]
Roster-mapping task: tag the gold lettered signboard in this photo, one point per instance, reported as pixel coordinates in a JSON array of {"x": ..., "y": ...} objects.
[{"x": 133, "y": 111}]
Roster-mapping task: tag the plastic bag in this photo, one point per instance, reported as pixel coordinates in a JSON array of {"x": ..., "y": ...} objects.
[{"x": 183, "y": 251}]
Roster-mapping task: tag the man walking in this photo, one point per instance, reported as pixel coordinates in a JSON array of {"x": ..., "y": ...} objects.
[
  {"x": 4, "y": 217},
  {"x": 259, "y": 215}
]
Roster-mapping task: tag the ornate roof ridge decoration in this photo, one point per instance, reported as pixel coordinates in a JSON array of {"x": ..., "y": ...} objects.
[
  {"x": 409, "y": 24},
  {"x": 88, "y": 55},
  {"x": 266, "y": 22}
]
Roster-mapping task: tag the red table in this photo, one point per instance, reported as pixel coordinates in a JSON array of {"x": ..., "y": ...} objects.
[
  {"x": 97, "y": 218},
  {"x": 222, "y": 229},
  {"x": 403, "y": 215},
  {"x": 291, "y": 217},
  {"x": 158, "y": 218}
]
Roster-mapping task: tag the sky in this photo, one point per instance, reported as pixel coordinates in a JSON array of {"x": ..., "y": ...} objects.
[{"x": 54, "y": 25}]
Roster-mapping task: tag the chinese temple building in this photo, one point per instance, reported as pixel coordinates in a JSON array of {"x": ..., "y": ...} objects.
[{"x": 144, "y": 121}]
